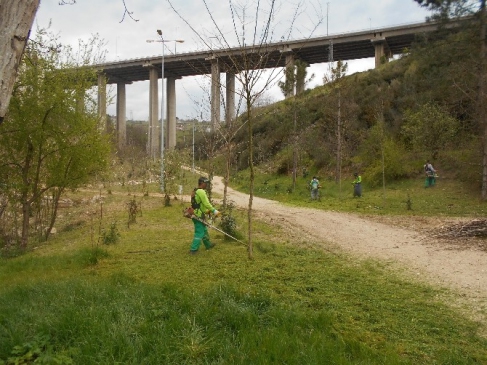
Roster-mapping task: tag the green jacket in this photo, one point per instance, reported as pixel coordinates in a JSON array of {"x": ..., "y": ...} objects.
[
  {"x": 314, "y": 184},
  {"x": 357, "y": 180},
  {"x": 205, "y": 205}
]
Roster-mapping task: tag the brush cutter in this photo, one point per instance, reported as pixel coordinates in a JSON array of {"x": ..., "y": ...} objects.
[{"x": 217, "y": 229}]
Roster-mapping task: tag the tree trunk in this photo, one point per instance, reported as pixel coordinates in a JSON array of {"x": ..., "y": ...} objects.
[
  {"x": 226, "y": 179},
  {"x": 295, "y": 142},
  {"x": 25, "y": 222},
  {"x": 252, "y": 177},
  {"x": 16, "y": 18},
  {"x": 481, "y": 95},
  {"x": 338, "y": 172},
  {"x": 56, "y": 196}
]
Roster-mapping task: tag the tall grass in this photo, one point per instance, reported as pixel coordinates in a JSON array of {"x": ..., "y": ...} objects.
[{"x": 144, "y": 300}]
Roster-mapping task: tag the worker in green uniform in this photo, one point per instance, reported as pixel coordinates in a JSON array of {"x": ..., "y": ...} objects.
[
  {"x": 314, "y": 186},
  {"x": 430, "y": 174},
  {"x": 357, "y": 185},
  {"x": 202, "y": 207}
]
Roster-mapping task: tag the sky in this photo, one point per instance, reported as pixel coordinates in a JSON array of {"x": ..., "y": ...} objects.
[{"x": 193, "y": 22}]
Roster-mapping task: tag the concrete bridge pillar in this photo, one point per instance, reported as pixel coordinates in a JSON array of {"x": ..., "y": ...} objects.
[
  {"x": 230, "y": 98},
  {"x": 382, "y": 52},
  {"x": 300, "y": 83},
  {"x": 121, "y": 115},
  {"x": 154, "y": 129},
  {"x": 215, "y": 94},
  {"x": 102, "y": 102},
  {"x": 289, "y": 63},
  {"x": 171, "y": 113}
]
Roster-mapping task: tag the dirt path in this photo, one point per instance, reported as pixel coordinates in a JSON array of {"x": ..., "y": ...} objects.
[{"x": 461, "y": 269}]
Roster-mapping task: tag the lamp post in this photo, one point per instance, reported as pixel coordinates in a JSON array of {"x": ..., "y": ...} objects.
[
  {"x": 193, "y": 148},
  {"x": 162, "y": 40}
]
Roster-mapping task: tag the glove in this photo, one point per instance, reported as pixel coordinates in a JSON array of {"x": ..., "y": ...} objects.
[{"x": 216, "y": 213}]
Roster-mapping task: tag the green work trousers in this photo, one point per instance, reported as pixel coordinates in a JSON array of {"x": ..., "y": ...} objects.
[
  {"x": 430, "y": 181},
  {"x": 200, "y": 234}
]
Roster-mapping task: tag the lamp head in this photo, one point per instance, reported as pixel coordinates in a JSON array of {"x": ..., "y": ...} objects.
[{"x": 159, "y": 32}]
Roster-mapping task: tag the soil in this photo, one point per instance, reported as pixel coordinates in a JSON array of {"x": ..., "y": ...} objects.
[{"x": 407, "y": 244}]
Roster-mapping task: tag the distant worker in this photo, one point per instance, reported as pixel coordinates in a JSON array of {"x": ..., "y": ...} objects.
[
  {"x": 315, "y": 186},
  {"x": 430, "y": 174},
  {"x": 202, "y": 207},
  {"x": 357, "y": 185}
]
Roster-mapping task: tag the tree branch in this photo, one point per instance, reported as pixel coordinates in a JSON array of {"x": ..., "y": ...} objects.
[{"x": 129, "y": 13}]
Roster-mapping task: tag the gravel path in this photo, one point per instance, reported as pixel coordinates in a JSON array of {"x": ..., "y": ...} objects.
[{"x": 463, "y": 269}]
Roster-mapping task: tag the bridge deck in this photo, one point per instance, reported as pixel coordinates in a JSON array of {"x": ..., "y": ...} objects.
[{"x": 346, "y": 47}]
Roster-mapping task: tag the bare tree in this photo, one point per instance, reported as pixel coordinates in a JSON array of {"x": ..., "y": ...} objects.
[
  {"x": 335, "y": 78},
  {"x": 249, "y": 62},
  {"x": 294, "y": 82}
]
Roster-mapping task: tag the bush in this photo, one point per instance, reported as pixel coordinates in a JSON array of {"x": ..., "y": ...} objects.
[{"x": 111, "y": 235}]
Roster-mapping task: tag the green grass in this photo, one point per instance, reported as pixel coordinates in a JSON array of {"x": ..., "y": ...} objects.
[
  {"x": 144, "y": 300},
  {"x": 446, "y": 198}
]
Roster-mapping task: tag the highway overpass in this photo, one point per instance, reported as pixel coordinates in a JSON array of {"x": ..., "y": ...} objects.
[{"x": 381, "y": 43}]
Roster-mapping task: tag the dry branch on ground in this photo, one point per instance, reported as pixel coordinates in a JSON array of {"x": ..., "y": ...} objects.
[{"x": 473, "y": 228}]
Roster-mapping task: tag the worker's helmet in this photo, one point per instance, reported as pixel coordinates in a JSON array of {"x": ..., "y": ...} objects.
[{"x": 203, "y": 179}]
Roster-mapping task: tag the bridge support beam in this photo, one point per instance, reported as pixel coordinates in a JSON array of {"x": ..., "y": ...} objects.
[
  {"x": 171, "y": 113},
  {"x": 121, "y": 115},
  {"x": 230, "y": 98},
  {"x": 382, "y": 52},
  {"x": 102, "y": 102},
  {"x": 300, "y": 83},
  {"x": 215, "y": 94},
  {"x": 289, "y": 63},
  {"x": 154, "y": 129}
]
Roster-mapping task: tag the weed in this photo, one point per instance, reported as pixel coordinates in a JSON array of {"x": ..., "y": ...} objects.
[
  {"x": 409, "y": 203},
  {"x": 90, "y": 257},
  {"x": 228, "y": 222},
  {"x": 167, "y": 200},
  {"x": 134, "y": 209},
  {"x": 110, "y": 236},
  {"x": 38, "y": 351},
  {"x": 73, "y": 226}
]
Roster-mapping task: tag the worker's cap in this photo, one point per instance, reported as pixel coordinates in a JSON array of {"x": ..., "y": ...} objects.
[
  {"x": 355, "y": 174},
  {"x": 203, "y": 179}
]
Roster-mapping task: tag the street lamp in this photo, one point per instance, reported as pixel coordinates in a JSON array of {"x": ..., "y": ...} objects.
[
  {"x": 193, "y": 148},
  {"x": 162, "y": 40}
]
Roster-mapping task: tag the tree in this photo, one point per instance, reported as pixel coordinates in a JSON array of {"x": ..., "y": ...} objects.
[
  {"x": 335, "y": 78},
  {"x": 443, "y": 8},
  {"x": 294, "y": 75},
  {"x": 248, "y": 66},
  {"x": 429, "y": 129},
  {"x": 16, "y": 18},
  {"x": 51, "y": 141}
]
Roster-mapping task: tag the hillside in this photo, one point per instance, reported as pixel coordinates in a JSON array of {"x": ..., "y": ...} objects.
[{"x": 420, "y": 106}]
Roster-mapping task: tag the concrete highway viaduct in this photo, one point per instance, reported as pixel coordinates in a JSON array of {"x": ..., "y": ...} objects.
[{"x": 380, "y": 43}]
